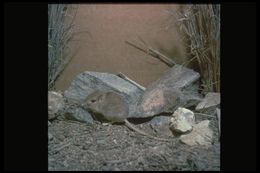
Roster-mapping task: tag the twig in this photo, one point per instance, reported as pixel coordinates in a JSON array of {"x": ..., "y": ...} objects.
[
  {"x": 121, "y": 75},
  {"x": 149, "y": 48},
  {"x": 131, "y": 44},
  {"x": 165, "y": 58},
  {"x": 155, "y": 54}
]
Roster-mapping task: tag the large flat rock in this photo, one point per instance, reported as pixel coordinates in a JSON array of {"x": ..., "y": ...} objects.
[
  {"x": 177, "y": 77},
  {"x": 87, "y": 82}
]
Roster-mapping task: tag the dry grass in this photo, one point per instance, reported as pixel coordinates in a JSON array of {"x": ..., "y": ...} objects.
[
  {"x": 61, "y": 30},
  {"x": 201, "y": 27}
]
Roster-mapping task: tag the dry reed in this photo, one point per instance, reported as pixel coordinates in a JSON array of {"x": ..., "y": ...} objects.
[
  {"x": 201, "y": 27},
  {"x": 61, "y": 30}
]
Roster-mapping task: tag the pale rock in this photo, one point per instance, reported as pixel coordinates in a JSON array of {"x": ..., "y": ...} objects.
[
  {"x": 55, "y": 104},
  {"x": 200, "y": 135},
  {"x": 182, "y": 120}
]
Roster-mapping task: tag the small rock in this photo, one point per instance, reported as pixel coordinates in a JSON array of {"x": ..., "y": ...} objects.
[
  {"x": 160, "y": 120},
  {"x": 182, "y": 120},
  {"x": 106, "y": 124},
  {"x": 55, "y": 104},
  {"x": 50, "y": 136},
  {"x": 79, "y": 114},
  {"x": 209, "y": 103},
  {"x": 200, "y": 135},
  {"x": 188, "y": 114}
]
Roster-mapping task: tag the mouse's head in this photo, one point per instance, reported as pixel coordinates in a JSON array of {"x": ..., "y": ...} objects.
[{"x": 95, "y": 99}]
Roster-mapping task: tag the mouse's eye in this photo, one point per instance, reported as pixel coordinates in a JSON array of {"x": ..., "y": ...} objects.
[{"x": 92, "y": 101}]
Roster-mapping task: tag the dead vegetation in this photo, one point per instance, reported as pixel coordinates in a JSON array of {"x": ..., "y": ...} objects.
[
  {"x": 61, "y": 30},
  {"x": 201, "y": 27}
]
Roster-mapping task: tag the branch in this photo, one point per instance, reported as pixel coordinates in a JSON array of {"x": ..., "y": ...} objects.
[
  {"x": 155, "y": 54},
  {"x": 121, "y": 75},
  {"x": 163, "y": 57}
]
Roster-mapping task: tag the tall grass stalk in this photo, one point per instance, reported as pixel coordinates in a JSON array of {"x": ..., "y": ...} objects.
[
  {"x": 201, "y": 26},
  {"x": 61, "y": 30}
]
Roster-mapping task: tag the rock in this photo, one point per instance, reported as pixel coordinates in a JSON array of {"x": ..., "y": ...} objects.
[
  {"x": 87, "y": 82},
  {"x": 200, "y": 135},
  {"x": 182, "y": 120},
  {"x": 178, "y": 77},
  {"x": 50, "y": 136},
  {"x": 160, "y": 120},
  {"x": 55, "y": 104},
  {"x": 177, "y": 87},
  {"x": 219, "y": 120},
  {"x": 190, "y": 98},
  {"x": 159, "y": 101},
  {"x": 79, "y": 114},
  {"x": 188, "y": 114},
  {"x": 160, "y": 125},
  {"x": 209, "y": 103}
]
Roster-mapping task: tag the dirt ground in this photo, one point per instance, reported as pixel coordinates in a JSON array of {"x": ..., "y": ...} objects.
[{"x": 106, "y": 147}]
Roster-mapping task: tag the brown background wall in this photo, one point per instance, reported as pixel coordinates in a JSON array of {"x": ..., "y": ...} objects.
[{"x": 104, "y": 48}]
